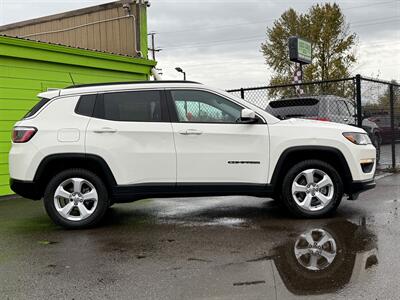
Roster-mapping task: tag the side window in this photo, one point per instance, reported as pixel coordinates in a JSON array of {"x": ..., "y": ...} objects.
[
  {"x": 343, "y": 110},
  {"x": 85, "y": 105},
  {"x": 140, "y": 106},
  {"x": 204, "y": 107}
]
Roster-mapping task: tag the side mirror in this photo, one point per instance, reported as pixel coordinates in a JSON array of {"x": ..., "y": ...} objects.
[
  {"x": 366, "y": 115},
  {"x": 248, "y": 116}
]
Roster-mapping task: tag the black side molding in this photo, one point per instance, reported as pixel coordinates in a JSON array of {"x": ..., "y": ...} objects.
[
  {"x": 311, "y": 152},
  {"x": 134, "y": 192},
  {"x": 66, "y": 157},
  {"x": 26, "y": 189},
  {"x": 58, "y": 162},
  {"x": 358, "y": 187}
]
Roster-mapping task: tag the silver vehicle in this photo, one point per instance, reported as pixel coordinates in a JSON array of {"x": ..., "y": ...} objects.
[{"x": 324, "y": 108}]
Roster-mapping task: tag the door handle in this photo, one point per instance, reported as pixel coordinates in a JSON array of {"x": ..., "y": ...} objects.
[
  {"x": 105, "y": 130},
  {"x": 191, "y": 132}
]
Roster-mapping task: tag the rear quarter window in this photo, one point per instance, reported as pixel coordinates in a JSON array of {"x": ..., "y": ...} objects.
[{"x": 36, "y": 108}]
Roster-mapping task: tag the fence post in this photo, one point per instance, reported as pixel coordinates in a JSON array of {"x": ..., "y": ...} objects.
[
  {"x": 358, "y": 100},
  {"x": 242, "y": 93},
  {"x": 393, "y": 140}
]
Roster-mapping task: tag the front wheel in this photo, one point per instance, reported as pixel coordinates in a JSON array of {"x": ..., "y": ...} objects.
[
  {"x": 312, "y": 189},
  {"x": 76, "y": 198},
  {"x": 376, "y": 141}
]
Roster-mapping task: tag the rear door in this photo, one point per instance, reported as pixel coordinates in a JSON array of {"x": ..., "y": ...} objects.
[
  {"x": 131, "y": 131},
  {"x": 212, "y": 147}
]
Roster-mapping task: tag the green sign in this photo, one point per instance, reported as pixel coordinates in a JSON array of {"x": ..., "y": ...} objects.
[
  {"x": 300, "y": 50},
  {"x": 304, "y": 50}
]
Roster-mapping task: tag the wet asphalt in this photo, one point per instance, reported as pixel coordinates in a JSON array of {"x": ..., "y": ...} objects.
[
  {"x": 386, "y": 155},
  {"x": 205, "y": 248}
]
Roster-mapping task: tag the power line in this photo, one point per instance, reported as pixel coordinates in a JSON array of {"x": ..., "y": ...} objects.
[
  {"x": 251, "y": 38},
  {"x": 218, "y": 27},
  {"x": 259, "y": 37},
  {"x": 376, "y": 23},
  {"x": 354, "y": 24},
  {"x": 370, "y": 5},
  {"x": 261, "y": 22}
]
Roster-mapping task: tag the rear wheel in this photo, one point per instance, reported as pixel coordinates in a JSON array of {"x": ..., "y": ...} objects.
[
  {"x": 312, "y": 189},
  {"x": 76, "y": 198}
]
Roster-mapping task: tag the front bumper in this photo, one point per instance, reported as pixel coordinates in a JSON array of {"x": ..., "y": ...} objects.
[
  {"x": 357, "y": 187},
  {"x": 26, "y": 189}
]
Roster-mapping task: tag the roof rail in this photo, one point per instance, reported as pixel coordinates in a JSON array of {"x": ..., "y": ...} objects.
[{"x": 130, "y": 82}]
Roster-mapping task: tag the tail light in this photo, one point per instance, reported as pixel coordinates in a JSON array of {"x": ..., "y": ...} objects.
[
  {"x": 320, "y": 119},
  {"x": 23, "y": 134}
]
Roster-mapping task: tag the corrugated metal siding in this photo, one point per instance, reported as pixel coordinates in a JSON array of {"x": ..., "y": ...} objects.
[
  {"x": 23, "y": 77},
  {"x": 117, "y": 36}
]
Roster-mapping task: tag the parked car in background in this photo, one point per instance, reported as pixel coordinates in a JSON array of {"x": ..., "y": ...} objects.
[
  {"x": 385, "y": 127},
  {"x": 328, "y": 108}
]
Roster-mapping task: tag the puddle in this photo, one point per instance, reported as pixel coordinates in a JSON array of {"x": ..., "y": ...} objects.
[
  {"x": 228, "y": 222},
  {"x": 321, "y": 259}
]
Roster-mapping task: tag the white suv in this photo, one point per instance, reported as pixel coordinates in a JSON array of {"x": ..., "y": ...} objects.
[{"x": 86, "y": 147}]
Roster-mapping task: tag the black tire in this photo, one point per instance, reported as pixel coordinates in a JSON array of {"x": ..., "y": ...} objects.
[
  {"x": 286, "y": 192},
  {"x": 102, "y": 204},
  {"x": 377, "y": 144},
  {"x": 301, "y": 281}
]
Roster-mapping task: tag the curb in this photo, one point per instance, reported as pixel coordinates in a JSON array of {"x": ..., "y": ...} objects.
[{"x": 383, "y": 176}]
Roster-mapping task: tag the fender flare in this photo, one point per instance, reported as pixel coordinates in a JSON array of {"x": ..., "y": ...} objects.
[{"x": 280, "y": 165}]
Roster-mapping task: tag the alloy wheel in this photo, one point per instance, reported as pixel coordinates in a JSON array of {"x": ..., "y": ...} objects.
[
  {"x": 312, "y": 189},
  {"x": 76, "y": 199},
  {"x": 315, "y": 249}
]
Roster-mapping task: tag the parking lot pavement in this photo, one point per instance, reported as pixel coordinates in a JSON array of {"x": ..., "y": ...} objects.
[{"x": 224, "y": 248}]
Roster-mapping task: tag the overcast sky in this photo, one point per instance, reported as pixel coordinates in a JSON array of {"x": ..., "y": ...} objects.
[{"x": 217, "y": 42}]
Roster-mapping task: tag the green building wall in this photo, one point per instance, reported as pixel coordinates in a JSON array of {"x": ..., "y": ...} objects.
[{"x": 28, "y": 68}]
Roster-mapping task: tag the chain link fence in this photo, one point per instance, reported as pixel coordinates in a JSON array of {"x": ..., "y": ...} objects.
[
  {"x": 371, "y": 104},
  {"x": 380, "y": 105}
]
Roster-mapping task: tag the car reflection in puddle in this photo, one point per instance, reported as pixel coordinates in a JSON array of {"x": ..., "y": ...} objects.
[
  {"x": 325, "y": 259},
  {"x": 315, "y": 249},
  {"x": 315, "y": 261}
]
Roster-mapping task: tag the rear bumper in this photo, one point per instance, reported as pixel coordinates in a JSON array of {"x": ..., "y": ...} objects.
[
  {"x": 26, "y": 189},
  {"x": 357, "y": 187}
]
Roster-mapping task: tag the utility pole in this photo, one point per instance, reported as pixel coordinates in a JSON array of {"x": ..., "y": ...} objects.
[{"x": 153, "y": 48}]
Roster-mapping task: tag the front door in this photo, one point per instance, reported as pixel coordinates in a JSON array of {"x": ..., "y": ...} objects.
[{"x": 212, "y": 146}]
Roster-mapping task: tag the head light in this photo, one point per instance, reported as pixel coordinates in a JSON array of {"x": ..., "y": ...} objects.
[{"x": 357, "y": 138}]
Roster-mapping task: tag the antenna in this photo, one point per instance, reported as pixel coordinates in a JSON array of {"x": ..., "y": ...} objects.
[{"x": 72, "y": 79}]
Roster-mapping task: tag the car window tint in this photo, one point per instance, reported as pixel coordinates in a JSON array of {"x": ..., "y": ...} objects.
[
  {"x": 85, "y": 105},
  {"x": 37, "y": 107},
  {"x": 140, "y": 106},
  {"x": 204, "y": 107},
  {"x": 294, "y": 108}
]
